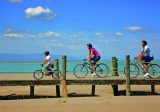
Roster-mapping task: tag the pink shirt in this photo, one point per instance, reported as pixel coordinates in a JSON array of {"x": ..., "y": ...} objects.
[{"x": 95, "y": 52}]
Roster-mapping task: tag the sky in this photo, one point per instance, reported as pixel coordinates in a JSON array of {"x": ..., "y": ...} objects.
[{"x": 64, "y": 27}]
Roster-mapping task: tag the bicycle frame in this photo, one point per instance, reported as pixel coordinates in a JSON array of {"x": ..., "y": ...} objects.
[
  {"x": 137, "y": 62},
  {"x": 43, "y": 69},
  {"x": 88, "y": 65}
]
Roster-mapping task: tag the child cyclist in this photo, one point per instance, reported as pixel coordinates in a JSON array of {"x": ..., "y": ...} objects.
[
  {"x": 93, "y": 56},
  {"x": 47, "y": 62}
]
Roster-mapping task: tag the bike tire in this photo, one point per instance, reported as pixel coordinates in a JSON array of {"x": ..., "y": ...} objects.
[
  {"x": 154, "y": 70},
  {"x": 80, "y": 71},
  {"x": 134, "y": 70},
  {"x": 38, "y": 74},
  {"x": 59, "y": 75},
  {"x": 102, "y": 70}
]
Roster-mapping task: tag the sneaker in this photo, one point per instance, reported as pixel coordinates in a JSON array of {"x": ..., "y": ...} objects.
[
  {"x": 94, "y": 74},
  {"x": 147, "y": 74}
]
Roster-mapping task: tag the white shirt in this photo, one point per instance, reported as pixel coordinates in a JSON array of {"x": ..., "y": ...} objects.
[
  {"x": 146, "y": 48},
  {"x": 49, "y": 60}
]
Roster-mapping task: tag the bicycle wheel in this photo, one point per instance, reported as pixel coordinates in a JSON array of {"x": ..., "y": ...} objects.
[
  {"x": 102, "y": 70},
  {"x": 38, "y": 74},
  {"x": 154, "y": 70},
  {"x": 54, "y": 75},
  {"x": 80, "y": 71},
  {"x": 134, "y": 70}
]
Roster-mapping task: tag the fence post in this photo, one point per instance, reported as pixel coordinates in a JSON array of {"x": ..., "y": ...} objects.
[
  {"x": 56, "y": 67},
  {"x": 32, "y": 91},
  {"x": 63, "y": 81},
  {"x": 128, "y": 88},
  {"x": 153, "y": 88},
  {"x": 115, "y": 73},
  {"x": 93, "y": 90}
]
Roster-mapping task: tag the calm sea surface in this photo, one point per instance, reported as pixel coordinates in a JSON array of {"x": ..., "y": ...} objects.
[{"x": 24, "y": 67}]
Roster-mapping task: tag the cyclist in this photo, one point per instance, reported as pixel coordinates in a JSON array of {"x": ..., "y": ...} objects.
[
  {"x": 93, "y": 56},
  {"x": 47, "y": 62},
  {"x": 144, "y": 56}
]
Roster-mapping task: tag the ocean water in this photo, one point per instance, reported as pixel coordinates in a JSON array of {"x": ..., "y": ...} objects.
[{"x": 24, "y": 67}]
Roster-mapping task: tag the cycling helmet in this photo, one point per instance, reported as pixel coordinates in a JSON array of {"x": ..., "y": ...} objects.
[
  {"x": 89, "y": 45},
  {"x": 145, "y": 42},
  {"x": 46, "y": 52}
]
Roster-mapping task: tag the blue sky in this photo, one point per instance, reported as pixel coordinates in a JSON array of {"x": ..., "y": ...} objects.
[{"x": 114, "y": 27}]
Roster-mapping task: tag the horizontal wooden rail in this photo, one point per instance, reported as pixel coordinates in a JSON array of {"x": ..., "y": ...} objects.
[{"x": 109, "y": 81}]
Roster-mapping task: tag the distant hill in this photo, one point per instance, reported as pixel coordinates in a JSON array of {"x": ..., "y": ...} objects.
[{"x": 29, "y": 57}]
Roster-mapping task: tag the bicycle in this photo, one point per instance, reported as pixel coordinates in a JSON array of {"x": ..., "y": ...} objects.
[
  {"x": 39, "y": 74},
  {"x": 135, "y": 67},
  {"x": 81, "y": 70}
]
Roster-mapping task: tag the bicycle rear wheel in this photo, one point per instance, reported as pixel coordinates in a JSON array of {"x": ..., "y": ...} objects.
[
  {"x": 38, "y": 74},
  {"x": 102, "y": 70},
  {"x": 54, "y": 75},
  {"x": 134, "y": 70},
  {"x": 154, "y": 70},
  {"x": 80, "y": 71}
]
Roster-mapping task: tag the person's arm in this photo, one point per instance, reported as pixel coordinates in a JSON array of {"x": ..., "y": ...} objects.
[
  {"x": 46, "y": 60},
  {"x": 139, "y": 55},
  {"x": 90, "y": 55},
  {"x": 142, "y": 54}
]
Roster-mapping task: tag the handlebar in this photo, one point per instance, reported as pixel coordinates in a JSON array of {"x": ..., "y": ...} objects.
[
  {"x": 84, "y": 59},
  {"x": 135, "y": 58}
]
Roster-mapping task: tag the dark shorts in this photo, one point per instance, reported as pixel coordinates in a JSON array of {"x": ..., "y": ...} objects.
[
  {"x": 95, "y": 59},
  {"x": 48, "y": 67},
  {"x": 147, "y": 58}
]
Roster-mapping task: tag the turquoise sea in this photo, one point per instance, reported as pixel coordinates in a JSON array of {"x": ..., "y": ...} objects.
[{"x": 28, "y": 67}]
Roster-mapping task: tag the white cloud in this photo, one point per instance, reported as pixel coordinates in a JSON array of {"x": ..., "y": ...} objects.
[
  {"x": 99, "y": 34},
  {"x": 57, "y": 45},
  {"x": 27, "y": 35},
  {"x": 76, "y": 35},
  {"x": 9, "y": 30},
  {"x": 15, "y": 1},
  {"x": 39, "y": 13},
  {"x": 18, "y": 35},
  {"x": 73, "y": 47},
  {"x": 134, "y": 28},
  {"x": 49, "y": 34},
  {"x": 119, "y": 34}
]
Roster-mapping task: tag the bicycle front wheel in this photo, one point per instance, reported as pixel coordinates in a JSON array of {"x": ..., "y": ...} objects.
[
  {"x": 134, "y": 71},
  {"x": 154, "y": 70},
  {"x": 102, "y": 70},
  {"x": 38, "y": 74},
  {"x": 80, "y": 71}
]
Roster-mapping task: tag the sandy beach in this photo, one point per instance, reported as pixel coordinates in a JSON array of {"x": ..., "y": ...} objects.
[{"x": 79, "y": 99}]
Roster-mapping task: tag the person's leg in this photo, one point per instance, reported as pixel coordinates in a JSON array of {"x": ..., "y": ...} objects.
[
  {"x": 46, "y": 70},
  {"x": 96, "y": 59},
  {"x": 92, "y": 64},
  {"x": 145, "y": 65},
  {"x": 93, "y": 68}
]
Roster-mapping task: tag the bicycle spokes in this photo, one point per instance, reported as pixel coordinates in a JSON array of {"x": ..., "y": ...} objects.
[
  {"x": 80, "y": 71},
  {"x": 102, "y": 70},
  {"x": 154, "y": 70},
  {"x": 134, "y": 70},
  {"x": 38, "y": 74}
]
